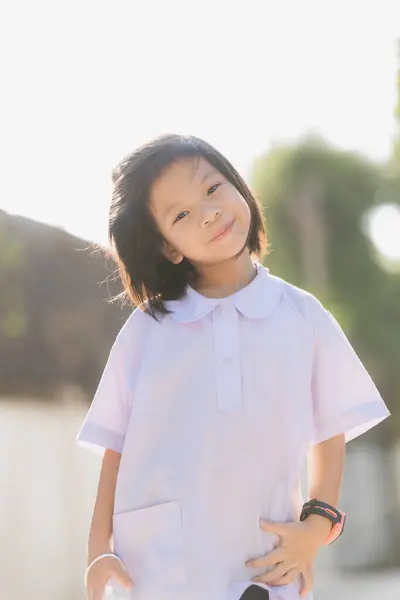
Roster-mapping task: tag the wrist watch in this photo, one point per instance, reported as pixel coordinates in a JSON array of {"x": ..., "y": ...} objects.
[{"x": 337, "y": 518}]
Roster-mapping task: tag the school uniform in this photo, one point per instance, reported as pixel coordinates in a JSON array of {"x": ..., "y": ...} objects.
[{"x": 214, "y": 409}]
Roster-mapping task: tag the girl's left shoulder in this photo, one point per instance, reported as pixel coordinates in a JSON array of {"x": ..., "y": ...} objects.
[{"x": 305, "y": 303}]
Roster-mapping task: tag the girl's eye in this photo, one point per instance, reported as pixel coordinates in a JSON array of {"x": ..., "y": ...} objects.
[
  {"x": 213, "y": 189},
  {"x": 181, "y": 216}
]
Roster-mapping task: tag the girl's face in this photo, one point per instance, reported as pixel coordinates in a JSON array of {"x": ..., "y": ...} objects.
[{"x": 199, "y": 213}]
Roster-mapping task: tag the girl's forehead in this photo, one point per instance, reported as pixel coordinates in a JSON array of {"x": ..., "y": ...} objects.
[
  {"x": 180, "y": 175},
  {"x": 192, "y": 169}
]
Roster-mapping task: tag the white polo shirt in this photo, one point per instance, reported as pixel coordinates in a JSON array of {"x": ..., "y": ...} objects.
[{"x": 213, "y": 409}]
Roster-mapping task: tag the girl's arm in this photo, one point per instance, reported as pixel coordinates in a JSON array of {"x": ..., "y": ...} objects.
[
  {"x": 325, "y": 472},
  {"x": 300, "y": 541},
  {"x": 100, "y": 534}
]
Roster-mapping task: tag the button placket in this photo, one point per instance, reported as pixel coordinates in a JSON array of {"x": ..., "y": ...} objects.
[{"x": 227, "y": 358}]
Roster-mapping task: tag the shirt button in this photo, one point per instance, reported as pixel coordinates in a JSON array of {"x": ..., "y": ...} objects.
[{"x": 227, "y": 360}]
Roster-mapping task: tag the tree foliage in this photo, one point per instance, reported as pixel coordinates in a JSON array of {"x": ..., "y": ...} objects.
[{"x": 317, "y": 200}]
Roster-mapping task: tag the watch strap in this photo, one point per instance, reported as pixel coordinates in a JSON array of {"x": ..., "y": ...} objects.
[{"x": 323, "y": 509}]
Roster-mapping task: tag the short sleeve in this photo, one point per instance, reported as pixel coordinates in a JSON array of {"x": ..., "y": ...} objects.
[
  {"x": 345, "y": 399},
  {"x": 106, "y": 422}
]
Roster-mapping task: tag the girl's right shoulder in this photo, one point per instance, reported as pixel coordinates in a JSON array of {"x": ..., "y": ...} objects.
[{"x": 137, "y": 327}]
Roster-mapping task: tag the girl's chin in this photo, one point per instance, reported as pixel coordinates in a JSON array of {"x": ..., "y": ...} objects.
[{"x": 229, "y": 249}]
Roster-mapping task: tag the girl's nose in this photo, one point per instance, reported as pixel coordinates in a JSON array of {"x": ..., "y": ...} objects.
[{"x": 210, "y": 215}]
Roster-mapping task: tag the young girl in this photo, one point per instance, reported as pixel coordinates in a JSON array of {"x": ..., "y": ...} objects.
[{"x": 219, "y": 384}]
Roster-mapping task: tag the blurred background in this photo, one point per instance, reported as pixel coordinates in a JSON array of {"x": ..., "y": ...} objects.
[{"x": 304, "y": 98}]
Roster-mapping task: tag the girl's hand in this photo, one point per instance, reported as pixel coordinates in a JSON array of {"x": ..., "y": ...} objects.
[
  {"x": 299, "y": 544},
  {"x": 101, "y": 573}
]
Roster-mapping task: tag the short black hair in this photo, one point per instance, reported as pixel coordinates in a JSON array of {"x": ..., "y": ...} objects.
[{"x": 150, "y": 279}]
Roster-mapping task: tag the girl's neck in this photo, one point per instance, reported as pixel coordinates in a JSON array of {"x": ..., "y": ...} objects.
[{"x": 226, "y": 278}]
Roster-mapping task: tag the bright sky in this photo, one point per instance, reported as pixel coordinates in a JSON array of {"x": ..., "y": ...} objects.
[{"x": 84, "y": 82}]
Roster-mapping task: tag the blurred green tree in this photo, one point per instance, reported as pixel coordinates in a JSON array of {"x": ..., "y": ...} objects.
[
  {"x": 317, "y": 200},
  {"x": 395, "y": 162}
]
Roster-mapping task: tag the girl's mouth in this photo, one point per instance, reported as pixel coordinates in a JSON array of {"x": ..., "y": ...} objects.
[{"x": 223, "y": 232}]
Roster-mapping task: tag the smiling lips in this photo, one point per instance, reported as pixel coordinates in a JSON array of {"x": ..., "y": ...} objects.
[{"x": 223, "y": 232}]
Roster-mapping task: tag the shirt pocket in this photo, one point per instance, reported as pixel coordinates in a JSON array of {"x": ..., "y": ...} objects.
[{"x": 150, "y": 543}]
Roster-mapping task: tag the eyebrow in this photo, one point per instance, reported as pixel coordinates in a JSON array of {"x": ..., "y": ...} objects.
[
  {"x": 208, "y": 174},
  {"x": 171, "y": 209}
]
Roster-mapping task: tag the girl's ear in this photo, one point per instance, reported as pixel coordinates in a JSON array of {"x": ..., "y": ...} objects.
[{"x": 171, "y": 254}]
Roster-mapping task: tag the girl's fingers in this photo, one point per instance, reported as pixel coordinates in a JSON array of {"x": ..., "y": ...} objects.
[
  {"x": 270, "y": 559},
  {"x": 124, "y": 580},
  {"x": 96, "y": 593},
  {"x": 275, "y": 574},
  {"x": 120, "y": 575},
  {"x": 288, "y": 578},
  {"x": 98, "y": 581},
  {"x": 308, "y": 582}
]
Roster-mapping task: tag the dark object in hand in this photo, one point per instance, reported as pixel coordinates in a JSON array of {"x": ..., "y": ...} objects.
[{"x": 255, "y": 592}]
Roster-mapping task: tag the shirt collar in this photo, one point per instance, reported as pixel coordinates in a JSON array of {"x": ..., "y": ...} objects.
[{"x": 255, "y": 301}]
